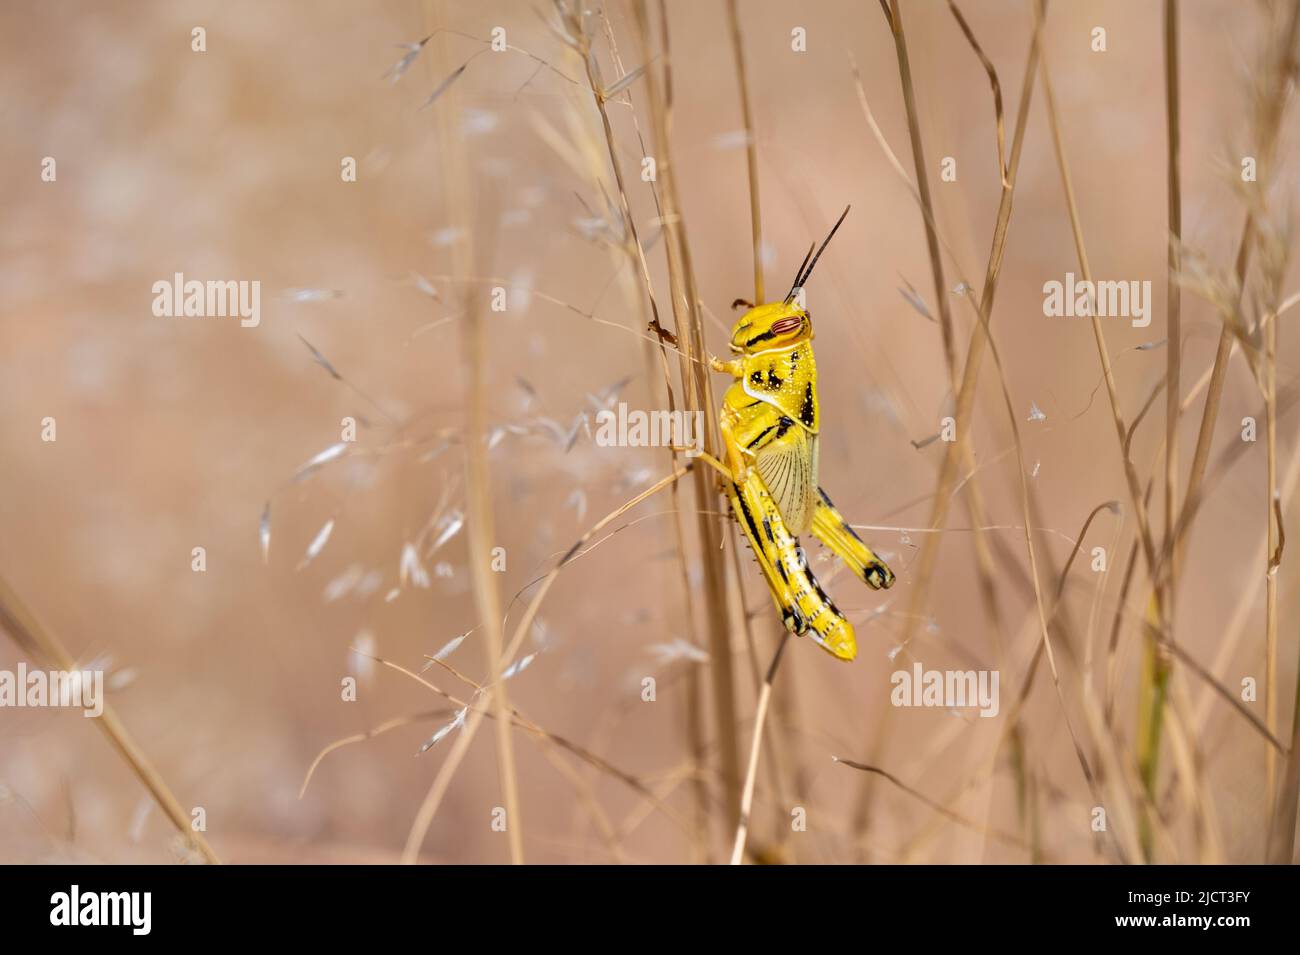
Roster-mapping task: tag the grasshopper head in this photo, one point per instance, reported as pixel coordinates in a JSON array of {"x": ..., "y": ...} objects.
[
  {"x": 777, "y": 325},
  {"x": 781, "y": 324}
]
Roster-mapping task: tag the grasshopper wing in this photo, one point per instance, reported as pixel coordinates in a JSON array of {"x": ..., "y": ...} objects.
[{"x": 788, "y": 467}]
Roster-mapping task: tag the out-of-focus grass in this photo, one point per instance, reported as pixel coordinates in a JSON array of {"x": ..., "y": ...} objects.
[{"x": 175, "y": 433}]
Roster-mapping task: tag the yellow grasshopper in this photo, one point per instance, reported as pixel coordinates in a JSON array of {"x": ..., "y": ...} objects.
[{"x": 769, "y": 420}]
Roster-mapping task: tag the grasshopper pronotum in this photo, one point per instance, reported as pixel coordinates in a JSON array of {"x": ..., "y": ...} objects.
[{"x": 769, "y": 421}]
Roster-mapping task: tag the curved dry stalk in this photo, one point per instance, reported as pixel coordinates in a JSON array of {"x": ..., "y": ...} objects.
[
  {"x": 1269, "y": 118},
  {"x": 941, "y": 809},
  {"x": 433, "y": 799},
  {"x": 1283, "y": 824},
  {"x": 34, "y": 638},
  {"x": 587, "y": 798},
  {"x": 1045, "y": 644},
  {"x": 542, "y": 64},
  {"x": 1236, "y": 625},
  {"x": 755, "y": 746},
  {"x": 518, "y": 720},
  {"x": 961, "y": 448},
  {"x": 974, "y": 500},
  {"x": 1231, "y": 698},
  {"x": 505, "y": 283},
  {"x": 1136, "y": 499},
  {"x": 1273, "y": 557},
  {"x": 751, "y": 149},
  {"x": 923, "y": 189},
  {"x": 361, "y": 737},
  {"x": 1033, "y": 559},
  {"x": 580, "y": 785},
  {"x": 993, "y": 82},
  {"x": 597, "y": 91},
  {"x": 1173, "y": 292},
  {"x": 481, "y": 521},
  {"x": 1275, "y": 103},
  {"x": 684, "y": 302},
  {"x": 954, "y": 452},
  {"x": 1155, "y": 671},
  {"x": 693, "y": 702},
  {"x": 685, "y": 299},
  {"x": 457, "y": 189},
  {"x": 1234, "y": 628}
]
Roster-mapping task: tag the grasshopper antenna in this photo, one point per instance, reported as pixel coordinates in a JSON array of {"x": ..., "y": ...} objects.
[
  {"x": 799, "y": 272},
  {"x": 805, "y": 274}
]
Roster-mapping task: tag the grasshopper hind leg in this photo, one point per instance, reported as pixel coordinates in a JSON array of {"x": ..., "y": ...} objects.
[
  {"x": 762, "y": 543},
  {"x": 804, "y": 605},
  {"x": 831, "y": 529}
]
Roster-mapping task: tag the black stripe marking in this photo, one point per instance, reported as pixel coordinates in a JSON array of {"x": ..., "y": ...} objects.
[
  {"x": 760, "y": 436},
  {"x": 807, "y": 414},
  {"x": 820, "y": 592},
  {"x": 749, "y": 518},
  {"x": 843, "y": 523}
]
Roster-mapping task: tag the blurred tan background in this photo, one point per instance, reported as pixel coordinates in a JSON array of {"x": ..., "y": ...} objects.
[{"x": 175, "y": 433}]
